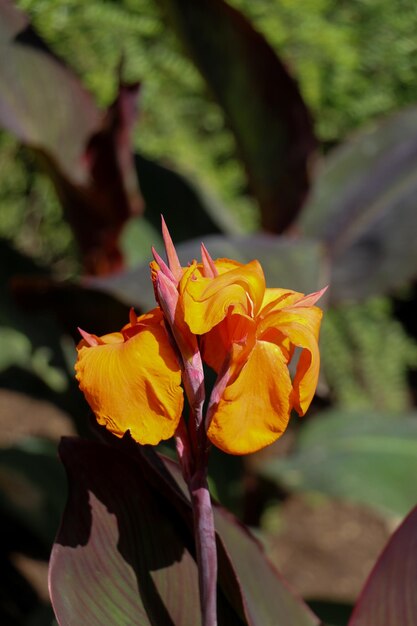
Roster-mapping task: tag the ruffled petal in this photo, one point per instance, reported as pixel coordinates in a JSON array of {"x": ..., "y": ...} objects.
[
  {"x": 255, "y": 406},
  {"x": 217, "y": 344},
  {"x": 301, "y": 326},
  {"x": 207, "y": 301},
  {"x": 132, "y": 379}
]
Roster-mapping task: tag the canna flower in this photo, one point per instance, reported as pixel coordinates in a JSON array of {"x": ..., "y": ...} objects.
[
  {"x": 132, "y": 379},
  {"x": 219, "y": 312},
  {"x": 248, "y": 336}
]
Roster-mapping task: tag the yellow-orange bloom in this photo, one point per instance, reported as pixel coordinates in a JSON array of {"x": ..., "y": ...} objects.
[
  {"x": 132, "y": 379},
  {"x": 249, "y": 335}
]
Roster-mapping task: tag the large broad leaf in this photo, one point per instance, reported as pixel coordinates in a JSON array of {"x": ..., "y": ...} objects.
[
  {"x": 261, "y": 101},
  {"x": 87, "y": 154},
  {"x": 286, "y": 262},
  {"x": 363, "y": 207},
  {"x": 119, "y": 558},
  {"x": 389, "y": 597},
  {"x": 41, "y": 101},
  {"x": 265, "y": 597},
  {"x": 125, "y": 549},
  {"x": 368, "y": 458}
]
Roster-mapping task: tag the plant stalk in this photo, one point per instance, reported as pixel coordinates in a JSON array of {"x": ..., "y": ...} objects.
[{"x": 205, "y": 540}]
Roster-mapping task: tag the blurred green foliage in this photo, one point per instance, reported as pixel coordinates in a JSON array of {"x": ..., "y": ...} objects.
[
  {"x": 30, "y": 213},
  {"x": 353, "y": 60},
  {"x": 366, "y": 356}
]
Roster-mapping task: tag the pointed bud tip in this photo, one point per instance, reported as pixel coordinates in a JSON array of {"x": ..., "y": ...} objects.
[
  {"x": 91, "y": 340},
  {"x": 173, "y": 260},
  {"x": 210, "y": 269}
]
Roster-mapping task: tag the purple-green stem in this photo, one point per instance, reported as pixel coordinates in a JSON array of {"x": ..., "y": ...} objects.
[
  {"x": 205, "y": 541},
  {"x": 193, "y": 451}
]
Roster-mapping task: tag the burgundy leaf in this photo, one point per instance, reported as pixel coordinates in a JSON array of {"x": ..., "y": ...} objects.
[
  {"x": 389, "y": 596},
  {"x": 363, "y": 209},
  {"x": 119, "y": 558},
  {"x": 262, "y": 103},
  {"x": 88, "y": 155}
]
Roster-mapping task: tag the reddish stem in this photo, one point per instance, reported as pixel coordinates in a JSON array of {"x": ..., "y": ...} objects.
[
  {"x": 205, "y": 540},
  {"x": 193, "y": 451}
]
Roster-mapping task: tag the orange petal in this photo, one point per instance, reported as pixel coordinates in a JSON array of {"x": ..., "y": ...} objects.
[
  {"x": 132, "y": 381},
  {"x": 218, "y": 342},
  {"x": 207, "y": 301},
  {"x": 301, "y": 325},
  {"x": 276, "y": 299},
  {"x": 255, "y": 406}
]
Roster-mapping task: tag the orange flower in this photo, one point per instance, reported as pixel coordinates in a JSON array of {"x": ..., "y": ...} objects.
[
  {"x": 220, "y": 311},
  {"x": 132, "y": 379},
  {"x": 248, "y": 336}
]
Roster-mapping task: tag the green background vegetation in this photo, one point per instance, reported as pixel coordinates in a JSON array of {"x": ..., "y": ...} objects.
[{"x": 353, "y": 60}]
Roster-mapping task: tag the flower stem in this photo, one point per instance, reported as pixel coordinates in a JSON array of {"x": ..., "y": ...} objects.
[{"x": 205, "y": 540}]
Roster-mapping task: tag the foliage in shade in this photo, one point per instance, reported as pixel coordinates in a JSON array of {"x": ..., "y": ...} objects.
[
  {"x": 68, "y": 301},
  {"x": 389, "y": 596},
  {"x": 32, "y": 487},
  {"x": 262, "y": 104},
  {"x": 362, "y": 457},
  {"x": 363, "y": 209},
  {"x": 124, "y": 553},
  {"x": 192, "y": 214}
]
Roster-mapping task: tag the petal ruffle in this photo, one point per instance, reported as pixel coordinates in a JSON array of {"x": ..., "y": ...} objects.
[
  {"x": 207, "y": 301},
  {"x": 254, "y": 408},
  {"x": 234, "y": 332},
  {"x": 132, "y": 381},
  {"x": 301, "y": 326}
]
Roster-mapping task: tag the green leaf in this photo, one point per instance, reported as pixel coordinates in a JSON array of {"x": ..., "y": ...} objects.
[
  {"x": 296, "y": 264},
  {"x": 388, "y": 597},
  {"x": 363, "y": 208},
  {"x": 262, "y": 104},
  {"x": 363, "y": 457}
]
